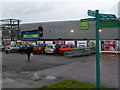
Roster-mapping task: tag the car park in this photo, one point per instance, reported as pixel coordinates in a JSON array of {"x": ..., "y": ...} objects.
[
  {"x": 24, "y": 47},
  {"x": 12, "y": 48},
  {"x": 39, "y": 48},
  {"x": 50, "y": 48},
  {"x": 65, "y": 46}
]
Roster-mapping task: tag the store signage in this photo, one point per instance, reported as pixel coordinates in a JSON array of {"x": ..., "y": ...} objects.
[
  {"x": 84, "y": 25},
  {"x": 30, "y": 36}
]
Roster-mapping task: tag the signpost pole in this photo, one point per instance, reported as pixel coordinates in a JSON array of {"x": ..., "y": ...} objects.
[{"x": 97, "y": 51}]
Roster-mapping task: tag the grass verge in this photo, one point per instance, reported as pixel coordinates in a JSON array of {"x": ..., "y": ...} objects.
[{"x": 70, "y": 84}]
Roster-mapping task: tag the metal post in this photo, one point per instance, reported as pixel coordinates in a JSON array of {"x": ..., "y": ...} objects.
[
  {"x": 97, "y": 52},
  {"x": 11, "y": 29}
]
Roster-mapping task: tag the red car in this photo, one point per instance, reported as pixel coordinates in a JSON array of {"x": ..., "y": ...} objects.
[
  {"x": 40, "y": 48},
  {"x": 65, "y": 46}
]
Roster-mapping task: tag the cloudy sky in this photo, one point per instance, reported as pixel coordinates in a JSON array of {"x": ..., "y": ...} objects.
[{"x": 54, "y": 10}]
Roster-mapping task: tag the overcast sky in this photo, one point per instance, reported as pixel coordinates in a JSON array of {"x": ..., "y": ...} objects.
[{"x": 50, "y": 10}]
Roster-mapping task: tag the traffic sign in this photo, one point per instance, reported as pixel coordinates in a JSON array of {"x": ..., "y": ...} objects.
[
  {"x": 88, "y": 19},
  {"x": 91, "y": 13},
  {"x": 107, "y": 17}
]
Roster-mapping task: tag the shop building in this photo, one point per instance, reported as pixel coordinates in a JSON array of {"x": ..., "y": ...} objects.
[
  {"x": 71, "y": 30},
  {"x": 76, "y": 32}
]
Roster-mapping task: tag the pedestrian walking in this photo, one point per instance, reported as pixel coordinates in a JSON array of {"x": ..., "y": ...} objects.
[{"x": 29, "y": 51}]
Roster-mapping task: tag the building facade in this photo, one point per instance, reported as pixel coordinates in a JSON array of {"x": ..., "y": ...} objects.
[{"x": 61, "y": 30}]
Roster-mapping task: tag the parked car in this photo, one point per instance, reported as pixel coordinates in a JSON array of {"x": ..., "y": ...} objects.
[
  {"x": 2, "y": 48},
  {"x": 24, "y": 47},
  {"x": 40, "y": 48},
  {"x": 65, "y": 46},
  {"x": 12, "y": 48},
  {"x": 50, "y": 48}
]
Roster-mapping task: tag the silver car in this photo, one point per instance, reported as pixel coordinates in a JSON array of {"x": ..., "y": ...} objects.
[
  {"x": 12, "y": 48},
  {"x": 50, "y": 48}
]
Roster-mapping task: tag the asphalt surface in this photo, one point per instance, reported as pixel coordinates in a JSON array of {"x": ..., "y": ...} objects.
[
  {"x": 0, "y": 70},
  {"x": 18, "y": 62},
  {"x": 44, "y": 69}
]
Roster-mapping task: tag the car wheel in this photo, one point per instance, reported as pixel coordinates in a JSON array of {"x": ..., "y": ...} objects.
[
  {"x": 6, "y": 51},
  {"x": 10, "y": 51},
  {"x": 20, "y": 51},
  {"x": 42, "y": 51}
]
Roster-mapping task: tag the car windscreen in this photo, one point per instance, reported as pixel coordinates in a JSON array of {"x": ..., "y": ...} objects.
[
  {"x": 37, "y": 46},
  {"x": 23, "y": 46},
  {"x": 9, "y": 46},
  {"x": 72, "y": 46},
  {"x": 64, "y": 46},
  {"x": 49, "y": 46}
]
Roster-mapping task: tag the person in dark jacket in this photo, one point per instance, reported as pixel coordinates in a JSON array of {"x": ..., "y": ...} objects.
[
  {"x": 29, "y": 51},
  {"x": 57, "y": 46}
]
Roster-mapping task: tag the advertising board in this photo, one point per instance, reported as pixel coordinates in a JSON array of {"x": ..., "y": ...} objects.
[
  {"x": 70, "y": 42},
  {"x": 118, "y": 46},
  {"x": 59, "y": 42},
  {"x": 30, "y": 35},
  {"x": 92, "y": 43},
  {"x": 40, "y": 42},
  {"x": 81, "y": 43},
  {"x": 108, "y": 45},
  {"x": 48, "y": 42}
]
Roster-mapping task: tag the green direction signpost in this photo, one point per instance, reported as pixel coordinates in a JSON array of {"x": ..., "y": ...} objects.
[
  {"x": 102, "y": 17},
  {"x": 96, "y": 15},
  {"x": 98, "y": 18},
  {"x": 97, "y": 51},
  {"x": 88, "y": 19}
]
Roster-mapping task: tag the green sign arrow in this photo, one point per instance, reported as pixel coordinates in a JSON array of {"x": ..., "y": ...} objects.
[
  {"x": 91, "y": 13},
  {"x": 107, "y": 17},
  {"x": 88, "y": 19}
]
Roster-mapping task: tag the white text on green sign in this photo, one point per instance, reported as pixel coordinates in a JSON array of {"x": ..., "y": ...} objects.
[{"x": 88, "y": 19}]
